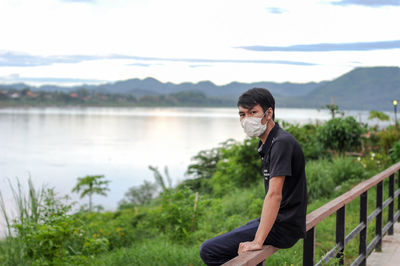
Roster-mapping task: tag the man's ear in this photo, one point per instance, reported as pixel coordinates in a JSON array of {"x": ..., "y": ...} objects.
[{"x": 270, "y": 113}]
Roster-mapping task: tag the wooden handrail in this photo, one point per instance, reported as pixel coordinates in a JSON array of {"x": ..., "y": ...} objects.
[
  {"x": 338, "y": 206},
  {"x": 251, "y": 258},
  {"x": 316, "y": 216}
]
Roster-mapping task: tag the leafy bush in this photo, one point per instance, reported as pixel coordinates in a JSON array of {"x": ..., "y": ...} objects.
[
  {"x": 200, "y": 185},
  {"x": 179, "y": 213},
  {"x": 341, "y": 134},
  {"x": 324, "y": 176},
  {"x": 307, "y": 137},
  {"x": 345, "y": 168},
  {"x": 320, "y": 183},
  {"x": 115, "y": 228},
  {"x": 387, "y": 138},
  {"x": 239, "y": 166},
  {"x": 233, "y": 209},
  {"x": 374, "y": 162},
  {"x": 395, "y": 152},
  {"x": 45, "y": 233}
]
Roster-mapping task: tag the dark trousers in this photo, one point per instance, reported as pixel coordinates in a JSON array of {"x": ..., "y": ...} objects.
[{"x": 220, "y": 249}]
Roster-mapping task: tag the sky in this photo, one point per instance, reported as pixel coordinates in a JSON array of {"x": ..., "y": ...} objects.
[{"x": 69, "y": 42}]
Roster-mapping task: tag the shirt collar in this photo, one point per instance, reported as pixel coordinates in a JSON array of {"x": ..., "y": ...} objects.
[{"x": 263, "y": 148}]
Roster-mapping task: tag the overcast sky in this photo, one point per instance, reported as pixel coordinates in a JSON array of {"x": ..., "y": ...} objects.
[{"x": 92, "y": 41}]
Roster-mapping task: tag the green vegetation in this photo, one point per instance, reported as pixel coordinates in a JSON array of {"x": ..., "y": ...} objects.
[
  {"x": 83, "y": 97},
  {"x": 157, "y": 224}
]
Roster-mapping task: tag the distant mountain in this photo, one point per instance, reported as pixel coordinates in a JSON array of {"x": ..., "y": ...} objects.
[
  {"x": 360, "y": 89},
  {"x": 17, "y": 86},
  {"x": 151, "y": 86},
  {"x": 367, "y": 88}
]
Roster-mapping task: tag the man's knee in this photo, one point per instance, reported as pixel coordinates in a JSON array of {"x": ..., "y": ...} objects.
[{"x": 205, "y": 251}]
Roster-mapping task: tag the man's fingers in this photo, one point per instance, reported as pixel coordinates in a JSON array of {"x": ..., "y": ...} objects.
[{"x": 241, "y": 245}]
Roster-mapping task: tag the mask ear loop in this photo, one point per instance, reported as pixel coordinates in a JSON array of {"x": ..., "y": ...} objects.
[{"x": 267, "y": 120}]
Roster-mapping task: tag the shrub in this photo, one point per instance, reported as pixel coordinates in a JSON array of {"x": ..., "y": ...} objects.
[
  {"x": 395, "y": 152},
  {"x": 374, "y": 162},
  {"x": 345, "y": 168},
  {"x": 179, "y": 213},
  {"x": 234, "y": 209},
  {"x": 114, "y": 229},
  {"x": 44, "y": 232},
  {"x": 239, "y": 166},
  {"x": 387, "y": 138},
  {"x": 44, "y": 226},
  {"x": 319, "y": 180},
  {"x": 340, "y": 134},
  {"x": 307, "y": 137}
]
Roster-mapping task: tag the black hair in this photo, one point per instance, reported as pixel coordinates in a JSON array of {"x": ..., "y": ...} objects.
[{"x": 255, "y": 96}]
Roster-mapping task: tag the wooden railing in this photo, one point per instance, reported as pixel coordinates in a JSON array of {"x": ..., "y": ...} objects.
[{"x": 338, "y": 205}]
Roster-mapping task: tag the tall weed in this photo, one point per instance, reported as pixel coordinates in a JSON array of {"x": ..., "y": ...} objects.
[
  {"x": 25, "y": 210},
  {"x": 320, "y": 182}
]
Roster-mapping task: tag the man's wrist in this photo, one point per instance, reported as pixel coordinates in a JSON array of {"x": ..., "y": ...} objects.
[{"x": 258, "y": 241}]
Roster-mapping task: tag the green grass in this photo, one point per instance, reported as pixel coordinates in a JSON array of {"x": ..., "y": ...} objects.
[{"x": 160, "y": 251}]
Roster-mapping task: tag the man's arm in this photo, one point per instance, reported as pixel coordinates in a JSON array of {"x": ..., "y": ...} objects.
[{"x": 269, "y": 213}]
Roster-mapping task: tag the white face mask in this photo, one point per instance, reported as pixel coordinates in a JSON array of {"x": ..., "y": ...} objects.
[{"x": 253, "y": 127}]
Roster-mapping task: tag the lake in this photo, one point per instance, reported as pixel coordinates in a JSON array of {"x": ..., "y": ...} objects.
[{"x": 54, "y": 146}]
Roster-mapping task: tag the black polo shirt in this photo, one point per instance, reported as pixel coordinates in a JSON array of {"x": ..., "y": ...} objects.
[{"x": 282, "y": 156}]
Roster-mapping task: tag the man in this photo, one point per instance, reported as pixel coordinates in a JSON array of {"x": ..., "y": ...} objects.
[{"x": 282, "y": 221}]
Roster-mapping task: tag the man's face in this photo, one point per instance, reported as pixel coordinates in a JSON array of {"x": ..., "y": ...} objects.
[{"x": 256, "y": 111}]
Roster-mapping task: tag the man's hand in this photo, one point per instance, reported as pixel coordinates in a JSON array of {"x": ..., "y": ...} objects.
[{"x": 248, "y": 246}]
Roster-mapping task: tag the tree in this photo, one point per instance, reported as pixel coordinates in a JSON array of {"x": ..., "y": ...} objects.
[
  {"x": 378, "y": 115},
  {"x": 90, "y": 185},
  {"x": 205, "y": 163},
  {"x": 333, "y": 108},
  {"x": 139, "y": 195}
]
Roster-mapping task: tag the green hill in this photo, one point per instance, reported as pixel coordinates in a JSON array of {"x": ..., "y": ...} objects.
[
  {"x": 360, "y": 89},
  {"x": 367, "y": 88}
]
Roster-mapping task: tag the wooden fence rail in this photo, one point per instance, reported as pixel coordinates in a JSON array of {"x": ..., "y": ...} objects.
[{"x": 338, "y": 206}]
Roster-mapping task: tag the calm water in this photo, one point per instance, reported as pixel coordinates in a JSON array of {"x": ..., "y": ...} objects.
[{"x": 54, "y": 146}]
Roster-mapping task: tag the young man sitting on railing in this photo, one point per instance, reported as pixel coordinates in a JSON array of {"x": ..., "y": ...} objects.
[{"x": 283, "y": 215}]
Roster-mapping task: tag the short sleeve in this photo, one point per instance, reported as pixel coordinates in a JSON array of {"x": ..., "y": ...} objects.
[{"x": 281, "y": 158}]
